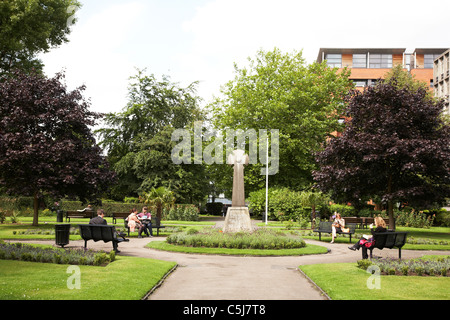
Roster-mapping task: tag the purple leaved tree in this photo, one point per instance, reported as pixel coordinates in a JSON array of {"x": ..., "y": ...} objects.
[
  {"x": 46, "y": 144},
  {"x": 396, "y": 148}
]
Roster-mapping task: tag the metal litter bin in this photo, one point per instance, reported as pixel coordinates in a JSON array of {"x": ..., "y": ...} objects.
[
  {"x": 62, "y": 233},
  {"x": 59, "y": 216}
]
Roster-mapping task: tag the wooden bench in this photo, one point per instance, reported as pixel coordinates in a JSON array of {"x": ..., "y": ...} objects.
[
  {"x": 325, "y": 227},
  {"x": 356, "y": 220},
  {"x": 99, "y": 232},
  {"x": 367, "y": 221},
  {"x": 155, "y": 225},
  {"x": 389, "y": 240},
  {"x": 119, "y": 215},
  {"x": 78, "y": 214}
]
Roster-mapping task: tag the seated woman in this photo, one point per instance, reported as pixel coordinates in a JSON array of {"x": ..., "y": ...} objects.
[
  {"x": 367, "y": 242},
  {"x": 338, "y": 223},
  {"x": 133, "y": 221}
]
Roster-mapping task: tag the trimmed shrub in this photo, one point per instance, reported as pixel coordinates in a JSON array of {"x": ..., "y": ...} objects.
[
  {"x": 19, "y": 251},
  {"x": 214, "y": 208},
  {"x": 181, "y": 212},
  {"x": 214, "y": 238},
  {"x": 284, "y": 204}
]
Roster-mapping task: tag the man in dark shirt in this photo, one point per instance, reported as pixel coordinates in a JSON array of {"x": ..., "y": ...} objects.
[{"x": 99, "y": 218}]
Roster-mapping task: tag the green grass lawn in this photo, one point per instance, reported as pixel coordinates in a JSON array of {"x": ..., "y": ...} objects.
[
  {"x": 345, "y": 281},
  {"x": 127, "y": 278}
]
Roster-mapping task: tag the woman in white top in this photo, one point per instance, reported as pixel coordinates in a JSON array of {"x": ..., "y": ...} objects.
[{"x": 338, "y": 223}]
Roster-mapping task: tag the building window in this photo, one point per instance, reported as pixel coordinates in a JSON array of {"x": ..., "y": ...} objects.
[
  {"x": 360, "y": 83},
  {"x": 334, "y": 60},
  {"x": 359, "y": 61},
  {"x": 428, "y": 60},
  {"x": 378, "y": 61}
]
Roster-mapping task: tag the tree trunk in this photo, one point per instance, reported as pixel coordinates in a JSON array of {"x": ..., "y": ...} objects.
[
  {"x": 36, "y": 210},
  {"x": 159, "y": 213},
  {"x": 391, "y": 215},
  {"x": 313, "y": 224},
  {"x": 391, "y": 206}
]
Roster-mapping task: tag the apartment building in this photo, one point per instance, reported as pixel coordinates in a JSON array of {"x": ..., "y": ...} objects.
[
  {"x": 442, "y": 78},
  {"x": 368, "y": 65}
]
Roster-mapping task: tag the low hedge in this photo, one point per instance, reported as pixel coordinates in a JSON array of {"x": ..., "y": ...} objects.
[
  {"x": 214, "y": 238},
  {"x": 21, "y": 252}
]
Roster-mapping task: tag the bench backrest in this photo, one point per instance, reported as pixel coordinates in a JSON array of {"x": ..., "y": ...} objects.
[
  {"x": 326, "y": 225},
  {"x": 86, "y": 214},
  {"x": 97, "y": 232},
  {"x": 120, "y": 214},
  {"x": 155, "y": 222},
  {"x": 352, "y": 220},
  {"x": 390, "y": 239}
]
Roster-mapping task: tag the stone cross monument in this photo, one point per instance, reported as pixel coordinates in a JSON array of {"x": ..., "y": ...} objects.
[{"x": 238, "y": 217}]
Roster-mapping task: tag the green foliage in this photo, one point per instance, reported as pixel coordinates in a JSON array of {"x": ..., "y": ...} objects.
[
  {"x": 413, "y": 219},
  {"x": 344, "y": 210},
  {"x": 214, "y": 208},
  {"x": 279, "y": 91},
  {"x": 181, "y": 212},
  {"x": 30, "y": 27},
  {"x": 18, "y": 251},
  {"x": 107, "y": 206},
  {"x": 441, "y": 216},
  {"x": 431, "y": 266},
  {"x": 139, "y": 144},
  {"x": 131, "y": 200},
  {"x": 285, "y": 204},
  {"x": 259, "y": 239}
]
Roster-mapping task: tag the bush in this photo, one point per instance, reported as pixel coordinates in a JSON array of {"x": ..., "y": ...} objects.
[
  {"x": 413, "y": 219},
  {"x": 214, "y": 208},
  {"x": 441, "y": 216},
  {"x": 344, "y": 210},
  {"x": 181, "y": 212},
  {"x": 131, "y": 200},
  {"x": 18, "y": 251},
  {"x": 284, "y": 204},
  {"x": 433, "y": 266}
]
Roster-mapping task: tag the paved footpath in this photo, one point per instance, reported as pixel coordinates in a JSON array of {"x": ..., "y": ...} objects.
[{"x": 215, "y": 277}]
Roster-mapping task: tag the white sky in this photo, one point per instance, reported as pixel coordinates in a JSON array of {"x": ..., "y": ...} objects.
[{"x": 199, "y": 40}]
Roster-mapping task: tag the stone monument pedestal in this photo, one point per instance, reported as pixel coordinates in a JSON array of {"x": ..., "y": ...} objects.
[{"x": 237, "y": 219}]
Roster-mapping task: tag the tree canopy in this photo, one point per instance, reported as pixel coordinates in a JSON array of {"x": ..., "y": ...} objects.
[
  {"x": 280, "y": 91},
  {"x": 30, "y": 27},
  {"x": 138, "y": 140},
  {"x": 46, "y": 144},
  {"x": 395, "y": 147}
]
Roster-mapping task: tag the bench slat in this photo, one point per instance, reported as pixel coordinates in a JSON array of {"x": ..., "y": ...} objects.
[{"x": 96, "y": 233}]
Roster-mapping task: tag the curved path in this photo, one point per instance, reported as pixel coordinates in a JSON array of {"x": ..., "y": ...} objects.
[{"x": 215, "y": 277}]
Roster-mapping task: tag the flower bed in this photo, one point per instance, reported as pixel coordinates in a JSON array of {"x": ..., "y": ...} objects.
[
  {"x": 436, "y": 266},
  {"x": 214, "y": 238},
  {"x": 19, "y": 251}
]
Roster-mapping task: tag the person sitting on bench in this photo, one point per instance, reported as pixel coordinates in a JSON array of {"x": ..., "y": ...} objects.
[
  {"x": 99, "y": 219},
  {"x": 367, "y": 241},
  {"x": 338, "y": 223}
]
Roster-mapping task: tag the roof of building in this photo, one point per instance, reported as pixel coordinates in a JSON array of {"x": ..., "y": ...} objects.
[{"x": 377, "y": 50}]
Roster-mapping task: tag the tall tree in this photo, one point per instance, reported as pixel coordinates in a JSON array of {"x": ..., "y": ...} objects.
[
  {"x": 138, "y": 140},
  {"x": 30, "y": 27},
  {"x": 46, "y": 144},
  {"x": 159, "y": 198},
  {"x": 280, "y": 91},
  {"x": 395, "y": 147}
]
